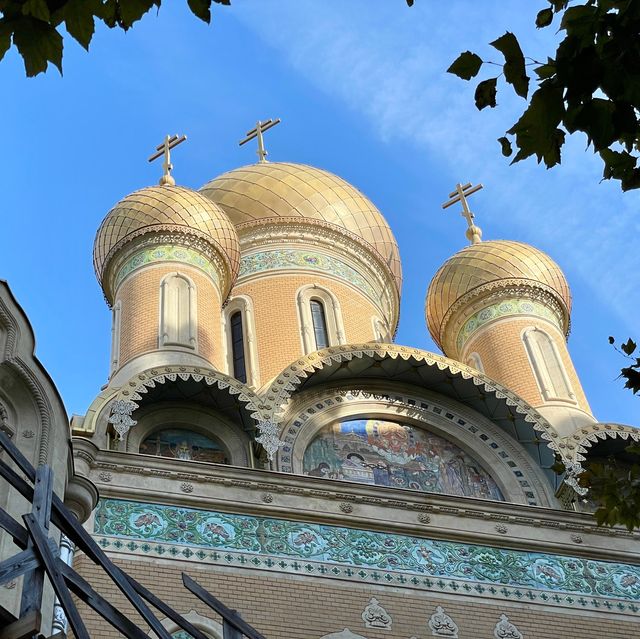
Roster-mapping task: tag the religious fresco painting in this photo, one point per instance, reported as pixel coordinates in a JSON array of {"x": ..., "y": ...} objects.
[
  {"x": 384, "y": 453},
  {"x": 178, "y": 443}
]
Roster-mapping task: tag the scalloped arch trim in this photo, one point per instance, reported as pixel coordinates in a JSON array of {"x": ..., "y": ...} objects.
[{"x": 278, "y": 393}]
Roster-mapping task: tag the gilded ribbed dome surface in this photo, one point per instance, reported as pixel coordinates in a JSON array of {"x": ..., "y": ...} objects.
[
  {"x": 486, "y": 263},
  {"x": 271, "y": 190},
  {"x": 161, "y": 209}
]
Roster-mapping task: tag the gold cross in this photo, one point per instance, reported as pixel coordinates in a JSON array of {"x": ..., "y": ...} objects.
[
  {"x": 261, "y": 127},
  {"x": 462, "y": 192},
  {"x": 170, "y": 141}
]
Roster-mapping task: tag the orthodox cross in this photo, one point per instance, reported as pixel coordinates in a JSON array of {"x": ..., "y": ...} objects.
[
  {"x": 260, "y": 128},
  {"x": 170, "y": 142},
  {"x": 462, "y": 192}
]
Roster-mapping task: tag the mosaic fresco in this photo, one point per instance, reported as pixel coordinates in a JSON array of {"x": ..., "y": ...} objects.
[
  {"x": 183, "y": 444},
  {"x": 501, "y": 309},
  {"x": 333, "y": 551},
  {"x": 289, "y": 258},
  {"x": 372, "y": 451},
  {"x": 166, "y": 253}
]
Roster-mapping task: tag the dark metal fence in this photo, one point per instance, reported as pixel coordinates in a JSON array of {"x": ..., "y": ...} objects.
[{"x": 39, "y": 560}]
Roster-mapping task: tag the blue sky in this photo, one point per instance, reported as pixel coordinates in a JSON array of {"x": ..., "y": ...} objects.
[{"x": 362, "y": 91}]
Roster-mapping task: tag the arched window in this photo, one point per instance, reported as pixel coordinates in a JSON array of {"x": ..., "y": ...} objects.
[
  {"x": 237, "y": 347},
  {"x": 179, "y": 443},
  {"x": 319, "y": 320},
  {"x": 239, "y": 340},
  {"x": 115, "y": 336},
  {"x": 380, "y": 331},
  {"x": 385, "y": 453},
  {"x": 178, "y": 311},
  {"x": 547, "y": 366}
]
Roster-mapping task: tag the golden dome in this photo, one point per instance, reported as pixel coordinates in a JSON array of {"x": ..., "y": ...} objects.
[
  {"x": 271, "y": 190},
  {"x": 486, "y": 264},
  {"x": 166, "y": 209}
]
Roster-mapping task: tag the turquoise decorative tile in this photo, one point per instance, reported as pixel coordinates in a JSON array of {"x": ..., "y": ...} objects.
[
  {"x": 295, "y": 259},
  {"x": 365, "y": 555}
]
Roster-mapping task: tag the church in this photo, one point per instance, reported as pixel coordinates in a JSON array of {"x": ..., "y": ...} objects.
[{"x": 262, "y": 432}]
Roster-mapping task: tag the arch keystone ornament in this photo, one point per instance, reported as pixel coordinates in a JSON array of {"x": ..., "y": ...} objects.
[
  {"x": 441, "y": 624},
  {"x": 268, "y": 437}
]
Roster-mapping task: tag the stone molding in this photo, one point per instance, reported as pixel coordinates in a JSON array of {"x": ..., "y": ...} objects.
[
  {"x": 375, "y": 616},
  {"x": 158, "y": 235},
  {"x": 491, "y": 293},
  {"x": 242, "y": 490},
  {"x": 255, "y": 236},
  {"x": 442, "y": 625},
  {"x": 507, "y": 307}
]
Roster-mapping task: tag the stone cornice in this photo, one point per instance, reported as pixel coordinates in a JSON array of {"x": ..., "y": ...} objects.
[{"x": 268, "y": 493}]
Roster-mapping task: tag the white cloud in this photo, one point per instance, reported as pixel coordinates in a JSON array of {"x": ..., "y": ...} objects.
[{"x": 387, "y": 62}]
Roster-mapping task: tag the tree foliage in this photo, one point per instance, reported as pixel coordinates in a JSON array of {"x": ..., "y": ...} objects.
[
  {"x": 614, "y": 487},
  {"x": 630, "y": 373},
  {"x": 34, "y": 26},
  {"x": 591, "y": 84}
]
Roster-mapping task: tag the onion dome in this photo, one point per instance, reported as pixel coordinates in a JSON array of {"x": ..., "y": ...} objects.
[
  {"x": 176, "y": 212},
  {"x": 281, "y": 192},
  {"x": 486, "y": 267}
]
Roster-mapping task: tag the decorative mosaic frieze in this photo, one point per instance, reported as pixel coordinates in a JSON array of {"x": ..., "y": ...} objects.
[
  {"x": 166, "y": 253},
  {"x": 295, "y": 259},
  {"x": 505, "y": 308},
  {"x": 366, "y": 556}
]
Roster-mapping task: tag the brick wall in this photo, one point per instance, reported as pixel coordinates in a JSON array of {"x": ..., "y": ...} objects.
[
  {"x": 140, "y": 315},
  {"x": 505, "y": 359},
  {"x": 276, "y": 317},
  {"x": 287, "y": 607}
]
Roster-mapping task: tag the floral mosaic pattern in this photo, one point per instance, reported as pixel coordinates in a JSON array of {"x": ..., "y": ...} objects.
[
  {"x": 506, "y": 307},
  {"x": 337, "y": 546},
  {"x": 166, "y": 253},
  {"x": 289, "y": 258}
]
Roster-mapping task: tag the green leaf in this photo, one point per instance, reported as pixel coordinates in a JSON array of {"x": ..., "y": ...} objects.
[
  {"x": 36, "y": 9},
  {"x": 544, "y": 18},
  {"x": 201, "y": 9},
  {"x": 628, "y": 347},
  {"x": 537, "y": 129},
  {"x": 466, "y": 66},
  {"x": 132, "y": 10},
  {"x": 506, "y": 146},
  {"x": 78, "y": 16},
  {"x": 38, "y": 43},
  {"x": 486, "y": 94},
  {"x": 545, "y": 71},
  {"x": 514, "y": 69}
]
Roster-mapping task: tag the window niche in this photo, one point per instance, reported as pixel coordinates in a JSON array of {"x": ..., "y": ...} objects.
[
  {"x": 547, "y": 366},
  {"x": 187, "y": 445},
  {"x": 239, "y": 340},
  {"x": 178, "y": 322},
  {"x": 320, "y": 318},
  {"x": 395, "y": 454}
]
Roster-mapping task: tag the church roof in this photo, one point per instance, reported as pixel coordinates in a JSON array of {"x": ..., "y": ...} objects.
[
  {"x": 161, "y": 209},
  {"x": 496, "y": 262},
  {"x": 280, "y": 190}
]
